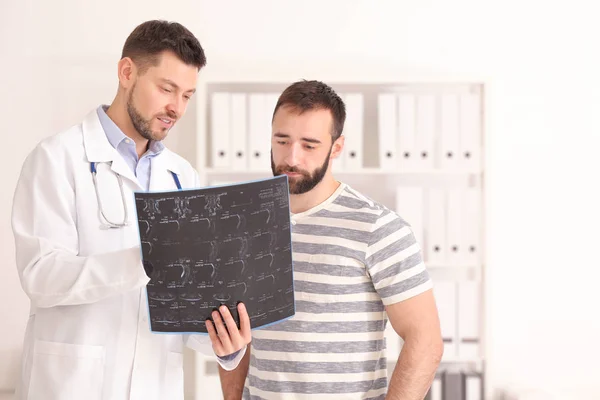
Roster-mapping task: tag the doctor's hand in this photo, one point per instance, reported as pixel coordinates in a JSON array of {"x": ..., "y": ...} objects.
[{"x": 227, "y": 338}]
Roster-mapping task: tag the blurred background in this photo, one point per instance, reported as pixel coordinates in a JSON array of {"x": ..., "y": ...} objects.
[{"x": 538, "y": 71}]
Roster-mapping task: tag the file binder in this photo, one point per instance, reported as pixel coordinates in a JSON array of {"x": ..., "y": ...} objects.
[
  {"x": 470, "y": 132},
  {"x": 426, "y": 119},
  {"x": 455, "y": 223},
  {"x": 259, "y": 135},
  {"x": 221, "y": 130},
  {"x": 436, "y": 390},
  {"x": 409, "y": 205},
  {"x": 468, "y": 321},
  {"x": 353, "y": 128},
  {"x": 239, "y": 132},
  {"x": 472, "y": 386},
  {"x": 386, "y": 116},
  {"x": 393, "y": 343},
  {"x": 449, "y": 129},
  {"x": 436, "y": 250},
  {"x": 471, "y": 228},
  {"x": 407, "y": 133},
  {"x": 445, "y": 298}
]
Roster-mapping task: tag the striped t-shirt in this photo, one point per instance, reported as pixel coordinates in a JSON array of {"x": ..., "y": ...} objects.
[{"x": 351, "y": 257}]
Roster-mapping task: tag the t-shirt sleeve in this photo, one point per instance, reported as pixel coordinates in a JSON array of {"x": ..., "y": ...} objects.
[{"x": 394, "y": 260}]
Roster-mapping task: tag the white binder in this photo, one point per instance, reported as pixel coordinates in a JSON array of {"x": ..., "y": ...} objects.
[
  {"x": 353, "y": 130},
  {"x": 426, "y": 118},
  {"x": 407, "y": 133},
  {"x": 388, "y": 135},
  {"x": 239, "y": 132},
  {"x": 472, "y": 386},
  {"x": 468, "y": 321},
  {"x": 259, "y": 135},
  {"x": 471, "y": 228},
  {"x": 338, "y": 163},
  {"x": 454, "y": 230},
  {"x": 393, "y": 343},
  {"x": 270, "y": 103},
  {"x": 449, "y": 154},
  {"x": 445, "y": 298},
  {"x": 436, "y": 389},
  {"x": 435, "y": 238},
  {"x": 470, "y": 132},
  {"x": 409, "y": 205},
  {"x": 220, "y": 134}
]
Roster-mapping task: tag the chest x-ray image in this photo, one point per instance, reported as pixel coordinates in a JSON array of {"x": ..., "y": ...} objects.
[{"x": 217, "y": 245}]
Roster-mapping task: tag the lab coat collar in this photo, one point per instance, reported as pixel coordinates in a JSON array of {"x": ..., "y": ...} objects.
[{"x": 98, "y": 149}]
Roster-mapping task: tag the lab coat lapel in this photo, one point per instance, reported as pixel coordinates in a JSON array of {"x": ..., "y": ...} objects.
[{"x": 99, "y": 149}]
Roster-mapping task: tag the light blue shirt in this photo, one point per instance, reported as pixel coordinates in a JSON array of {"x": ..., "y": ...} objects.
[{"x": 126, "y": 147}]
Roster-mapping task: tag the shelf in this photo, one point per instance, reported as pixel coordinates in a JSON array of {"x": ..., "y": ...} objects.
[
  {"x": 450, "y": 266},
  {"x": 362, "y": 180},
  {"x": 363, "y": 171},
  {"x": 451, "y": 364}
]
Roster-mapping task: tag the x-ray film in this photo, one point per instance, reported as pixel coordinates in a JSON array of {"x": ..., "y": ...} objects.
[{"x": 217, "y": 245}]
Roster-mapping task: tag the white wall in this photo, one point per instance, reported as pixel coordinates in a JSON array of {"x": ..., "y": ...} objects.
[{"x": 543, "y": 132}]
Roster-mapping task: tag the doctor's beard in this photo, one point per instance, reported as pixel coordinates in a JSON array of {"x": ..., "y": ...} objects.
[{"x": 141, "y": 125}]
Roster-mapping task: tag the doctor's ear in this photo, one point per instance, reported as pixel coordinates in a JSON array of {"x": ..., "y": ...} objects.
[{"x": 126, "y": 72}]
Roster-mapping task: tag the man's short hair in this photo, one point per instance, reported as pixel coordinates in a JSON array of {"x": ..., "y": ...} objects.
[
  {"x": 315, "y": 95},
  {"x": 149, "y": 39}
]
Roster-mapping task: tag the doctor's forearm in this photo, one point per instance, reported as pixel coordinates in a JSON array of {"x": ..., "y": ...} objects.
[
  {"x": 46, "y": 231},
  {"x": 59, "y": 278},
  {"x": 415, "y": 370}
]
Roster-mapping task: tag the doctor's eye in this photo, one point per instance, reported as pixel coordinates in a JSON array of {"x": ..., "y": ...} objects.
[{"x": 166, "y": 90}]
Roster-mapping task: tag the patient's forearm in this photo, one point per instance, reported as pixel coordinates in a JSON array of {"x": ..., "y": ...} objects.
[{"x": 415, "y": 370}]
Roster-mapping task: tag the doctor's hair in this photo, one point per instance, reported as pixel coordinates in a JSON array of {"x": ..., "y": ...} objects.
[
  {"x": 306, "y": 95},
  {"x": 149, "y": 39}
]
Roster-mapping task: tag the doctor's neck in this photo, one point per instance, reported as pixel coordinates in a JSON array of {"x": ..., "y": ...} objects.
[{"x": 117, "y": 112}]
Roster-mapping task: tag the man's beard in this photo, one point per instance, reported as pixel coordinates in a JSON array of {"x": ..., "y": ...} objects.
[
  {"x": 305, "y": 183},
  {"x": 141, "y": 125}
]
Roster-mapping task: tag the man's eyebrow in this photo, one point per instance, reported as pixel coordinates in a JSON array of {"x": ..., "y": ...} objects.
[
  {"x": 311, "y": 140},
  {"x": 170, "y": 82},
  {"x": 304, "y": 139}
]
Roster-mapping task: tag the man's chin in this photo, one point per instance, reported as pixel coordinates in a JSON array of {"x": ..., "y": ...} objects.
[
  {"x": 159, "y": 136},
  {"x": 296, "y": 188}
]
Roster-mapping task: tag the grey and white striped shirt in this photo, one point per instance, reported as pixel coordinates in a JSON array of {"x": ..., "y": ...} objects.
[{"x": 351, "y": 257}]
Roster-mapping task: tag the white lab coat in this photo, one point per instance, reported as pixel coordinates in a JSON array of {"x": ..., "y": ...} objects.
[{"x": 88, "y": 333}]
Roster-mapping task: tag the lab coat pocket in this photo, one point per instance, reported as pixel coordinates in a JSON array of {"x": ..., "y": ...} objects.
[
  {"x": 66, "y": 371},
  {"x": 174, "y": 376}
]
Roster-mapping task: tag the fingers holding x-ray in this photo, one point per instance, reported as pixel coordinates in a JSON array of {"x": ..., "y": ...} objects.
[{"x": 224, "y": 333}]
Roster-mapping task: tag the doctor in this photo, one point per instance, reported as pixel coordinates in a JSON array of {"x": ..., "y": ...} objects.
[{"x": 78, "y": 255}]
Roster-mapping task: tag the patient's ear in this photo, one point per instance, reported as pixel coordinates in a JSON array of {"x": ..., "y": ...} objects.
[{"x": 338, "y": 146}]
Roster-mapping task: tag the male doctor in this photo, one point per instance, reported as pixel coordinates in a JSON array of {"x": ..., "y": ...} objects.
[{"x": 78, "y": 255}]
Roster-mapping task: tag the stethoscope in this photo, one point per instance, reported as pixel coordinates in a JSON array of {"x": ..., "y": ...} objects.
[{"x": 124, "y": 223}]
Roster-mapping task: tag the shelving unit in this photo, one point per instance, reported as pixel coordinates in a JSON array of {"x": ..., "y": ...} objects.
[{"x": 417, "y": 148}]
